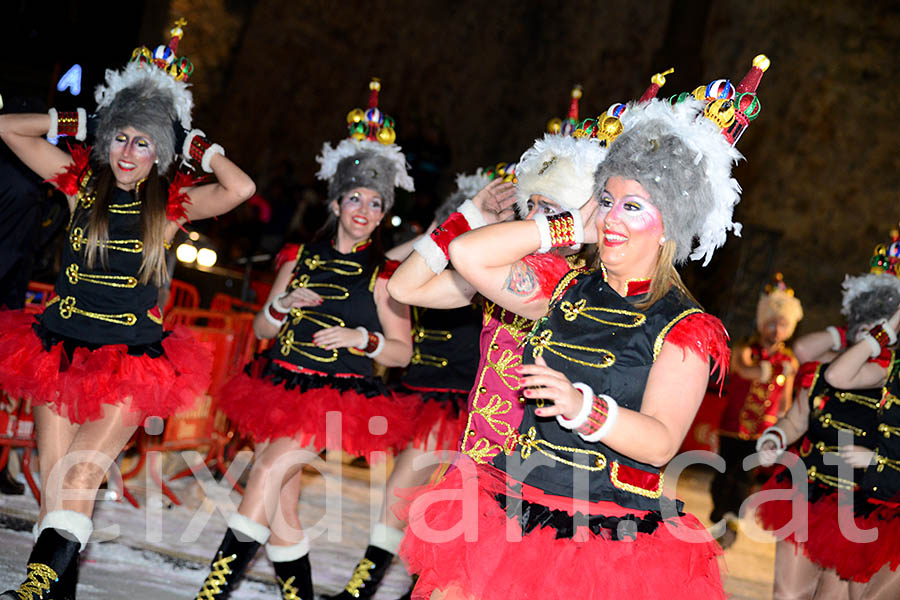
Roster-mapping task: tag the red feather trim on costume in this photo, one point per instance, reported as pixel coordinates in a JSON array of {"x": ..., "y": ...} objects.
[
  {"x": 705, "y": 336},
  {"x": 66, "y": 180},
  {"x": 175, "y": 207},
  {"x": 806, "y": 373},
  {"x": 548, "y": 270},
  {"x": 286, "y": 255},
  {"x": 388, "y": 269}
]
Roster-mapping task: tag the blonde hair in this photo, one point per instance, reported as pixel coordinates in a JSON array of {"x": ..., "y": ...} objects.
[{"x": 153, "y": 197}]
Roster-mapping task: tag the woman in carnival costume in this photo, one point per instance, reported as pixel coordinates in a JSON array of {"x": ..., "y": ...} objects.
[
  {"x": 437, "y": 380},
  {"x": 842, "y": 473},
  {"x": 759, "y": 390},
  {"x": 330, "y": 315},
  {"x": 96, "y": 362},
  {"x": 582, "y": 482}
]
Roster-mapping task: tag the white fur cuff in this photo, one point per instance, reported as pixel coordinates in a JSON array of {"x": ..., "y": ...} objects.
[
  {"x": 386, "y": 538},
  {"x": 544, "y": 230},
  {"x": 431, "y": 252},
  {"x": 587, "y": 402},
  {"x": 473, "y": 216},
  {"x": 288, "y": 553},
  {"x": 207, "y": 156},
  {"x": 874, "y": 346},
  {"x": 248, "y": 528},
  {"x": 53, "y": 131},
  {"x": 81, "y": 132},
  {"x": 892, "y": 335},
  {"x": 72, "y": 522},
  {"x": 835, "y": 338},
  {"x": 269, "y": 318}
]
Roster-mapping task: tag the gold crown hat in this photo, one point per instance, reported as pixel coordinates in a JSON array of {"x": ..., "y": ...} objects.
[
  {"x": 150, "y": 94},
  {"x": 778, "y": 300},
  {"x": 368, "y": 157},
  {"x": 886, "y": 257},
  {"x": 567, "y": 126},
  {"x": 682, "y": 152},
  {"x": 561, "y": 167}
]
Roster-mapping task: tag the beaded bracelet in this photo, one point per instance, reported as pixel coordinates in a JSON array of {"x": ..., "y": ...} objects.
[
  {"x": 199, "y": 148},
  {"x": 71, "y": 123},
  {"x": 562, "y": 230}
]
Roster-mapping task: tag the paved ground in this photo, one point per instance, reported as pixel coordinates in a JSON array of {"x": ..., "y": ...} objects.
[{"x": 162, "y": 552}]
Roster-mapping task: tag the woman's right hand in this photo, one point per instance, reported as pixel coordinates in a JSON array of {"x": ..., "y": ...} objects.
[
  {"x": 768, "y": 453},
  {"x": 299, "y": 298},
  {"x": 496, "y": 201}
]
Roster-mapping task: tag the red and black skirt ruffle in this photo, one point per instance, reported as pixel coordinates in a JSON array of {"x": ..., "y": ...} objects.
[
  {"x": 472, "y": 535},
  {"x": 825, "y": 544},
  {"x": 76, "y": 379},
  {"x": 358, "y": 415},
  {"x": 440, "y": 416}
]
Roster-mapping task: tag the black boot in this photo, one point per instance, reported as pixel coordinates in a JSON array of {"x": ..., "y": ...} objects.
[
  {"x": 49, "y": 568},
  {"x": 9, "y": 485},
  {"x": 295, "y": 579},
  {"x": 227, "y": 567},
  {"x": 367, "y": 576}
]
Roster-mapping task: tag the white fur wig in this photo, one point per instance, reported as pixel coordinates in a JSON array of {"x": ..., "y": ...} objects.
[
  {"x": 364, "y": 163},
  {"x": 779, "y": 303},
  {"x": 684, "y": 162},
  {"x": 560, "y": 168},
  {"x": 868, "y": 298}
]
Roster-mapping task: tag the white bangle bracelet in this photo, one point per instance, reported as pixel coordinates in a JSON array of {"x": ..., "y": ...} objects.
[
  {"x": 377, "y": 349},
  {"x": 612, "y": 415},
  {"x": 776, "y": 435},
  {"x": 267, "y": 315},
  {"x": 836, "y": 344},
  {"x": 544, "y": 230},
  {"x": 587, "y": 395},
  {"x": 278, "y": 306}
]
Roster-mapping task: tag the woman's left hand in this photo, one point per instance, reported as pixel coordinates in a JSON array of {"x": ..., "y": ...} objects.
[
  {"x": 856, "y": 456},
  {"x": 540, "y": 381},
  {"x": 339, "y": 337}
]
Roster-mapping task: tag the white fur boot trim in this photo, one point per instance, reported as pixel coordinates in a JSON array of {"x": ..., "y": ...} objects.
[
  {"x": 250, "y": 528},
  {"x": 72, "y": 522},
  {"x": 385, "y": 537},
  {"x": 288, "y": 553}
]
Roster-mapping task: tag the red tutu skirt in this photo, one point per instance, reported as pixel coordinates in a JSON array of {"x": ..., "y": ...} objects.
[
  {"x": 358, "y": 415},
  {"x": 79, "y": 388},
  {"x": 440, "y": 416},
  {"x": 461, "y": 541},
  {"x": 825, "y": 544}
]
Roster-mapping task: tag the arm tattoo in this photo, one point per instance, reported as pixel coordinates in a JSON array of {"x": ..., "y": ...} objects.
[{"x": 521, "y": 281}]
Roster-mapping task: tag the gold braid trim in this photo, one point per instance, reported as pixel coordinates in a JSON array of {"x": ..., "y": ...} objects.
[
  {"x": 37, "y": 581},
  {"x": 837, "y": 482},
  {"x": 827, "y": 421},
  {"x": 429, "y": 360},
  {"x": 74, "y": 275},
  {"x": 334, "y": 265},
  {"x": 67, "y": 308},
  {"x": 529, "y": 441},
  {"x": 303, "y": 282},
  {"x": 887, "y": 430},
  {"x": 614, "y": 477},
  {"x": 78, "y": 241},
  {"x": 857, "y": 398},
  {"x": 883, "y": 461},
  {"x": 126, "y": 209},
  {"x": 544, "y": 341}
]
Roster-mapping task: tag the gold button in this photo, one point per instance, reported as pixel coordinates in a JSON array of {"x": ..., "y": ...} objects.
[
  {"x": 495, "y": 346},
  {"x": 470, "y": 432},
  {"x": 768, "y": 403},
  {"x": 482, "y": 390},
  {"x": 521, "y": 399}
]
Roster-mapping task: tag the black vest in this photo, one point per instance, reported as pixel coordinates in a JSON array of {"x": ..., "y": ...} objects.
[
  {"x": 596, "y": 337},
  {"x": 346, "y": 284},
  {"x": 445, "y": 348},
  {"x": 882, "y": 479},
  {"x": 105, "y": 305}
]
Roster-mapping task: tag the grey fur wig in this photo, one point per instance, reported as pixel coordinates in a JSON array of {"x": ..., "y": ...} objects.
[
  {"x": 364, "y": 170},
  {"x": 869, "y": 298},
  {"x": 145, "y": 107},
  {"x": 684, "y": 163}
]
